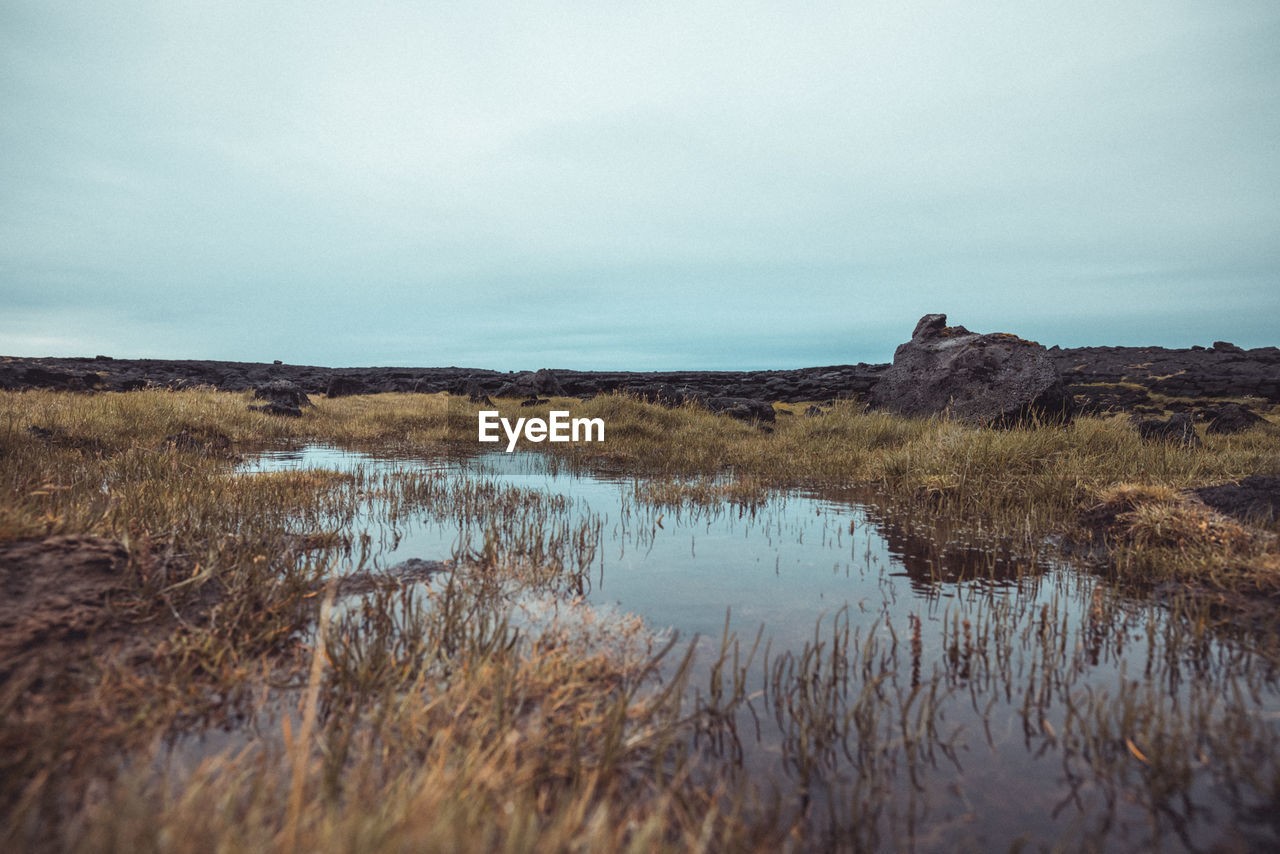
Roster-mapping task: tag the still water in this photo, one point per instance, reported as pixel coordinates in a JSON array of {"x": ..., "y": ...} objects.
[{"x": 972, "y": 697}]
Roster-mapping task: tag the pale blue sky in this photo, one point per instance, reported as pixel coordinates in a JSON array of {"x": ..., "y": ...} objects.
[{"x": 633, "y": 185}]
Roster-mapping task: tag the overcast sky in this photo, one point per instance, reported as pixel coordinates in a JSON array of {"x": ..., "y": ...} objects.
[{"x": 632, "y": 185}]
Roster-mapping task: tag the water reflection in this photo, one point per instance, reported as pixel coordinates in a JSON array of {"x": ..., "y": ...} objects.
[{"x": 911, "y": 678}]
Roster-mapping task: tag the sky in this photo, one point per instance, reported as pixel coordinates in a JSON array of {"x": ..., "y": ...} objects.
[{"x": 648, "y": 186}]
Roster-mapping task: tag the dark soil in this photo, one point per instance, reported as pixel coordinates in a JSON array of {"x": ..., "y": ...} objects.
[
  {"x": 1255, "y": 498},
  {"x": 56, "y": 592}
]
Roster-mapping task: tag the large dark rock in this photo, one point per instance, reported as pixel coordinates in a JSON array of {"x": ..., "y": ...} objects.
[{"x": 994, "y": 379}]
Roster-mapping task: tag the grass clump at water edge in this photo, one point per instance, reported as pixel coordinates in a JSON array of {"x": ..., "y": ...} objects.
[{"x": 438, "y": 722}]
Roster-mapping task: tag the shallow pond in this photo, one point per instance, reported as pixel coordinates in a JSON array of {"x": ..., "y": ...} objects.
[{"x": 910, "y": 690}]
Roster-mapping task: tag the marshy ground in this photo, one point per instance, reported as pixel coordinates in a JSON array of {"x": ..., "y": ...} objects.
[{"x": 854, "y": 632}]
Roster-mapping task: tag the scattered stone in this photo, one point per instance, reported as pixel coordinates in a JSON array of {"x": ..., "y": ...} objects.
[
  {"x": 535, "y": 401},
  {"x": 1178, "y": 429},
  {"x": 1233, "y": 418},
  {"x": 814, "y": 411},
  {"x": 994, "y": 379},
  {"x": 1256, "y": 497}
]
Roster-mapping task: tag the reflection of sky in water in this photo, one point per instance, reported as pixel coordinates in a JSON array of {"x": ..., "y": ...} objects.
[
  {"x": 801, "y": 556},
  {"x": 780, "y": 565}
]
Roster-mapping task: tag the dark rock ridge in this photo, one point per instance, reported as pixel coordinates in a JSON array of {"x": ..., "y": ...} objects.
[
  {"x": 994, "y": 379},
  {"x": 1100, "y": 378},
  {"x": 1223, "y": 370},
  {"x": 105, "y": 374}
]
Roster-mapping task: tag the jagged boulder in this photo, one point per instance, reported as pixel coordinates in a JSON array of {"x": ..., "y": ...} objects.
[{"x": 996, "y": 379}]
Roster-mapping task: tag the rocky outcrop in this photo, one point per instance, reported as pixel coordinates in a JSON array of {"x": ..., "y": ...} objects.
[
  {"x": 993, "y": 379},
  {"x": 1223, "y": 370},
  {"x": 1101, "y": 378},
  {"x": 106, "y": 374}
]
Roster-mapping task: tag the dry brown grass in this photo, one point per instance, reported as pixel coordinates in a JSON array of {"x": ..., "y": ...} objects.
[{"x": 437, "y": 725}]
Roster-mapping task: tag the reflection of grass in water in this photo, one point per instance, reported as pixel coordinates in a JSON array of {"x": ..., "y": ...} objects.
[
  {"x": 443, "y": 724},
  {"x": 877, "y": 745}
]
